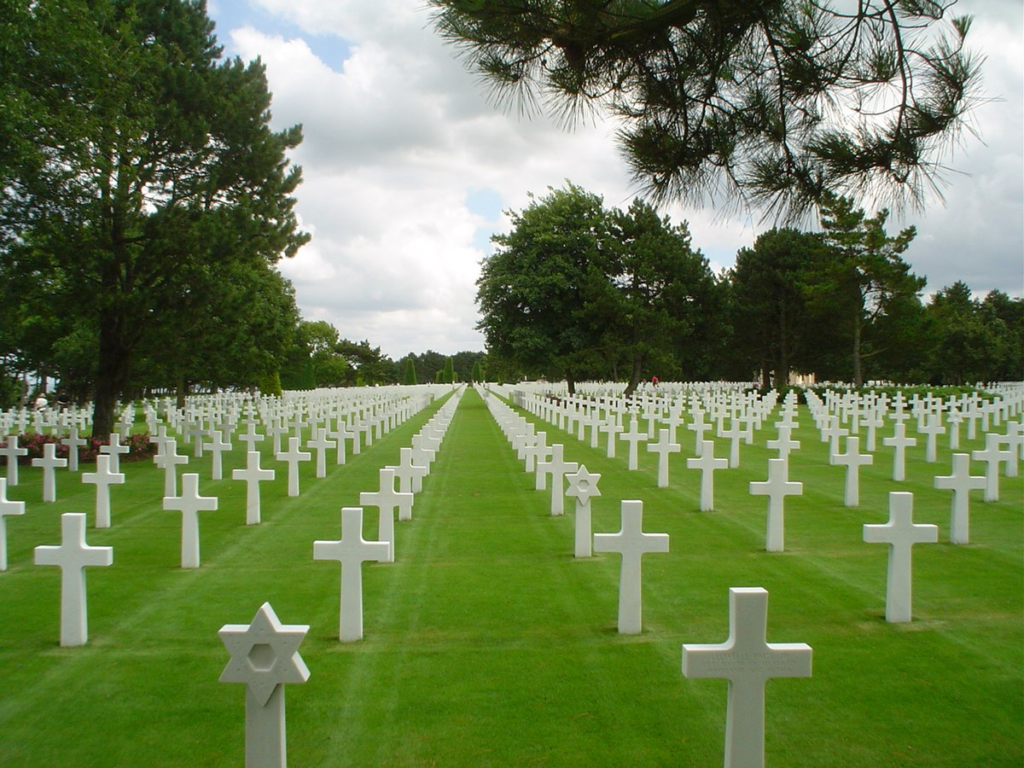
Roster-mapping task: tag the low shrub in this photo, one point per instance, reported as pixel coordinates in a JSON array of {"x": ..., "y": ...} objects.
[{"x": 139, "y": 447}]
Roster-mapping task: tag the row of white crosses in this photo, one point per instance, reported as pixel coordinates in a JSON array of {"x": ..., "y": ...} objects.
[
  {"x": 74, "y": 554},
  {"x": 190, "y": 502},
  {"x": 264, "y": 653},
  {"x": 745, "y": 659},
  {"x": 749, "y": 408},
  {"x": 744, "y": 746},
  {"x": 857, "y": 411},
  {"x": 1008, "y": 404},
  {"x": 352, "y": 550},
  {"x": 631, "y": 542}
]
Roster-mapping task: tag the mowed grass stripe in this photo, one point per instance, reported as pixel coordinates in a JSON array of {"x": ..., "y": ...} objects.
[{"x": 504, "y": 647}]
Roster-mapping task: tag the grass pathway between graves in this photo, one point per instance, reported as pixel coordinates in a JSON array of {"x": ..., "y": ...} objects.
[{"x": 487, "y": 643}]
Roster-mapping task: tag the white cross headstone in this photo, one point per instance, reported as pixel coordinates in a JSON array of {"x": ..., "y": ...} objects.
[
  {"x": 853, "y": 460},
  {"x": 632, "y": 543},
  {"x": 557, "y": 467},
  {"x": 168, "y": 462},
  {"x": 634, "y": 436},
  {"x": 961, "y": 482},
  {"x": 253, "y": 475},
  {"x": 583, "y": 487},
  {"x": 73, "y": 442},
  {"x": 276, "y": 430},
  {"x": 900, "y": 442},
  {"x": 900, "y": 533},
  {"x": 698, "y": 426},
  {"x": 612, "y": 429},
  {"x": 954, "y": 419},
  {"x": 264, "y": 656},
  {"x": 832, "y": 432},
  {"x": 72, "y": 557},
  {"x": 49, "y": 463},
  {"x": 410, "y": 475},
  {"x": 735, "y": 432},
  {"x": 351, "y": 550},
  {"x": 217, "y": 445},
  {"x": 748, "y": 661},
  {"x": 250, "y": 437},
  {"x": 386, "y": 499},
  {"x": 537, "y": 451},
  {"x": 932, "y": 428},
  {"x": 115, "y": 450},
  {"x": 292, "y": 457},
  {"x": 7, "y": 507},
  {"x": 340, "y": 435},
  {"x": 992, "y": 456},
  {"x": 776, "y": 488},
  {"x": 663, "y": 447},
  {"x": 12, "y": 451},
  {"x": 784, "y": 443},
  {"x": 321, "y": 445},
  {"x": 103, "y": 478},
  {"x": 707, "y": 464},
  {"x": 190, "y": 504},
  {"x": 421, "y": 453}
]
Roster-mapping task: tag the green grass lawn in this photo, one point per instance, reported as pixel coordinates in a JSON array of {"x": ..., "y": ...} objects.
[{"x": 488, "y": 643}]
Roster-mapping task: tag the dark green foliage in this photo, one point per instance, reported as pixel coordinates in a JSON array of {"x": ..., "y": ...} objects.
[
  {"x": 862, "y": 288},
  {"x": 575, "y": 291},
  {"x": 972, "y": 341},
  {"x": 366, "y": 365},
  {"x": 769, "y": 314},
  {"x": 410, "y": 373},
  {"x": 141, "y": 181},
  {"x": 544, "y": 293},
  {"x": 448, "y": 372}
]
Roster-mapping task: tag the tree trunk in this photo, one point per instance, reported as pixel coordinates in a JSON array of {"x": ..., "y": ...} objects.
[
  {"x": 112, "y": 373},
  {"x": 570, "y": 381},
  {"x": 782, "y": 369},
  {"x": 182, "y": 393},
  {"x": 634, "y": 376},
  {"x": 858, "y": 376}
]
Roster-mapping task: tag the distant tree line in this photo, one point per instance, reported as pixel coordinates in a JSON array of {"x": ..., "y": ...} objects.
[
  {"x": 576, "y": 291},
  {"x": 320, "y": 357}
]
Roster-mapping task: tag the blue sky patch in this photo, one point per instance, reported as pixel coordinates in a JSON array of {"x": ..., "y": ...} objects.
[{"x": 331, "y": 49}]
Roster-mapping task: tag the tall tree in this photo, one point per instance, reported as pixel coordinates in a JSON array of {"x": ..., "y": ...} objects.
[
  {"x": 410, "y": 373},
  {"x": 863, "y": 278},
  {"x": 232, "y": 329},
  {"x": 975, "y": 341},
  {"x": 141, "y": 162},
  {"x": 998, "y": 308},
  {"x": 662, "y": 287},
  {"x": 769, "y": 313},
  {"x": 541, "y": 292},
  {"x": 367, "y": 365},
  {"x": 770, "y": 102}
]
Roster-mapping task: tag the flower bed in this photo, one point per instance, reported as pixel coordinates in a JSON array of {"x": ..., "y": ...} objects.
[{"x": 139, "y": 447}]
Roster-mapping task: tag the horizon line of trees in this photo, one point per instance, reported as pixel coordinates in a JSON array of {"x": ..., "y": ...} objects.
[{"x": 576, "y": 291}]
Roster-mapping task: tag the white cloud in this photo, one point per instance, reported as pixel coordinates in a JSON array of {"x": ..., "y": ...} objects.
[{"x": 399, "y": 137}]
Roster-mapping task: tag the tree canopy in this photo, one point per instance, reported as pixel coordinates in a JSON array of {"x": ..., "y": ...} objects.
[
  {"x": 769, "y": 103},
  {"x": 576, "y": 290},
  {"x": 139, "y": 175}
]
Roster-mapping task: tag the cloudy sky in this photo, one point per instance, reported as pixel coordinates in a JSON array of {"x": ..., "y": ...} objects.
[{"x": 408, "y": 168}]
